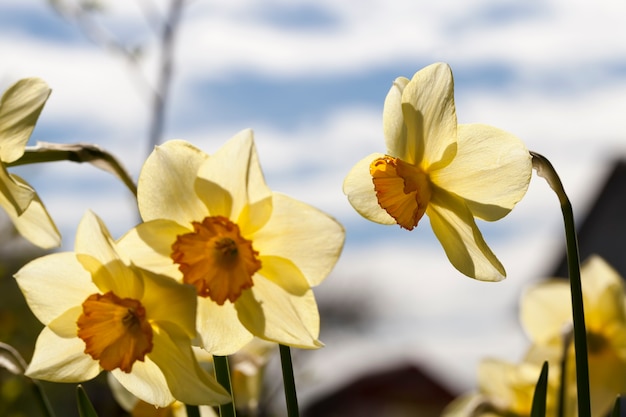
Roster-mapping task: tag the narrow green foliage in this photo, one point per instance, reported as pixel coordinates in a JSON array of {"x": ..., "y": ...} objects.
[
  {"x": 192, "y": 410},
  {"x": 289, "y": 381},
  {"x": 617, "y": 408},
  {"x": 222, "y": 374},
  {"x": 541, "y": 392},
  {"x": 85, "y": 408}
]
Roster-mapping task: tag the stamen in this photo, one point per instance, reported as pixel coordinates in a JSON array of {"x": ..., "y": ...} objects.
[
  {"x": 216, "y": 259},
  {"x": 115, "y": 331},
  {"x": 402, "y": 190}
]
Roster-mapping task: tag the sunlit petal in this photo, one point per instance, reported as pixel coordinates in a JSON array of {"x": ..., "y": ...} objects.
[
  {"x": 491, "y": 171},
  {"x": 39, "y": 281},
  {"x": 313, "y": 245},
  {"x": 430, "y": 118},
  {"x": 393, "y": 121},
  {"x": 454, "y": 226},
  {"x": 61, "y": 359},
  {"x": 235, "y": 168},
  {"x": 146, "y": 382},
  {"x": 359, "y": 188},
  {"x": 15, "y": 195},
  {"x": 545, "y": 310},
  {"x": 186, "y": 380},
  {"x": 215, "y": 321},
  {"x": 20, "y": 107},
  {"x": 274, "y": 314},
  {"x": 166, "y": 184}
]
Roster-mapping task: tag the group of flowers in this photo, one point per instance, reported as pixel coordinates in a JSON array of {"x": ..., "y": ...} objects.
[{"x": 219, "y": 258}]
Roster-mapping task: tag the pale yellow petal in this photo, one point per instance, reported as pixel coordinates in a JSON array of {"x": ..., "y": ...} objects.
[
  {"x": 149, "y": 246},
  {"x": 220, "y": 330},
  {"x": 359, "y": 188},
  {"x": 186, "y": 380},
  {"x": 597, "y": 276},
  {"x": 15, "y": 195},
  {"x": 546, "y": 311},
  {"x": 430, "y": 118},
  {"x": 491, "y": 171},
  {"x": 146, "y": 382},
  {"x": 65, "y": 324},
  {"x": 34, "y": 223},
  {"x": 180, "y": 307},
  {"x": 454, "y": 226},
  {"x": 166, "y": 184},
  {"x": 466, "y": 405},
  {"x": 235, "y": 168},
  {"x": 61, "y": 359},
  {"x": 284, "y": 273},
  {"x": 20, "y": 107},
  {"x": 53, "y": 284},
  {"x": 272, "y": 314},
  {"x": 309, "y": 238},
  {"x": 393, "y": 119}
]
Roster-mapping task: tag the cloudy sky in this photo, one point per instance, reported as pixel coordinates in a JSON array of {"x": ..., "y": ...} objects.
[{"x": 310, "y": 78}]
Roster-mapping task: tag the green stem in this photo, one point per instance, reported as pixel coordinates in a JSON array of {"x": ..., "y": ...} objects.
[
  {"x": 545, "y": 169},
  {"x": 42, "y": 399},
  {"x": 222, "y": 374},
  {"x": 289, "y": 382},
  {"x": 192, "y": 410}
]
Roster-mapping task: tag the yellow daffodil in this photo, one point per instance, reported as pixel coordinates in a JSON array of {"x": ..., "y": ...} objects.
[
  {"x": 546, "y": 314},
  {"x": 504, "y": 390},
  {"x": 20, "y": 107},
  {"x": 252, "y": 254},
  {"x": 102, "y": 313},
  {"x": 452, "y": 173}
]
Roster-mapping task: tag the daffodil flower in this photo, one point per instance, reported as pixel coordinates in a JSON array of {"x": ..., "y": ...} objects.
[
  {"x": 20, "y": 107},
  {"x": 452, "y": 173},
  {"x": 546, "y": 315},
  {"x": 504, "y": 389},
  {"x": 102, "y": 313},
  {"x": 252, "y": 254}
]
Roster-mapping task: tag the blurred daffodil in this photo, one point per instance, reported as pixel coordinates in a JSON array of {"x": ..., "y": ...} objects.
[
  {"x": 252, "y": 254},
  {"x": 20, "y": 107},
  {"x": 546, "y": 315},
  {"x": 504, "y": 390},
  {"x": 452, "y": 173},
  {"x": 102, "y": 313}
]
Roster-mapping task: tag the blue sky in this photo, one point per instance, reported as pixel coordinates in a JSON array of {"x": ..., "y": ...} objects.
[{"x": 310, "y": 78}]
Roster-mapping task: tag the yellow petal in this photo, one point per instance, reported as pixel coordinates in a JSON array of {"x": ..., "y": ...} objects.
[
  {"x": 186, "y": 380},
  {"x": 285, "y": 274},
  {"x": 545, "y": 311},
  {"x": 359, "y": 188},
  {"x": 146, "y": 382},
  {"x": 309, "y": 238},
  {"x": 20, "y": 107},
  {"x": 430, "y": 118},
  {"x": 166, "y": 184},
  {"x": 491, "y": 171},
  {"x": 39, "y": 281},
  {"x": 220, "y": 330},
  {"x": 235, "y": 168},
  {"x": 149, "y": 246},
  {"x": 180, "y": 308},
  {"x": 393, "y": 120},
  {"x": 61, "y": 359},
  {"x": 454, "y": 226},
  {"x": 271, "y": 313},
  {"x": 15, "y": 195},
  {"x": 97, "y": 252}
]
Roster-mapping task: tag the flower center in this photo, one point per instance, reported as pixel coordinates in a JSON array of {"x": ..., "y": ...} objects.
[
  {"x": 216, "y": 259},
  {"x": 115, "y": 331},
  {"x": 402, "y": 190}
]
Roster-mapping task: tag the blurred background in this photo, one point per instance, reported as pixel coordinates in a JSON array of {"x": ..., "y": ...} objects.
[{"x": 310, "y": 78}]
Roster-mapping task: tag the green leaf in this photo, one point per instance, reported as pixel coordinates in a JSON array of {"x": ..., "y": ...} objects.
[
  {"x": 539, "y": 397},
  {"x": 85, "y": 408}
]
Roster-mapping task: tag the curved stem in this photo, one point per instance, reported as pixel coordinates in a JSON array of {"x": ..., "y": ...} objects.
[{"x": 545, "y": 169}]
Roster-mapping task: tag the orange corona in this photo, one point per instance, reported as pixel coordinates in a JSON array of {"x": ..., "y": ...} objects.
[
  {"x": 216, "y": 259},
  {"x": 115, "y": 330}
]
